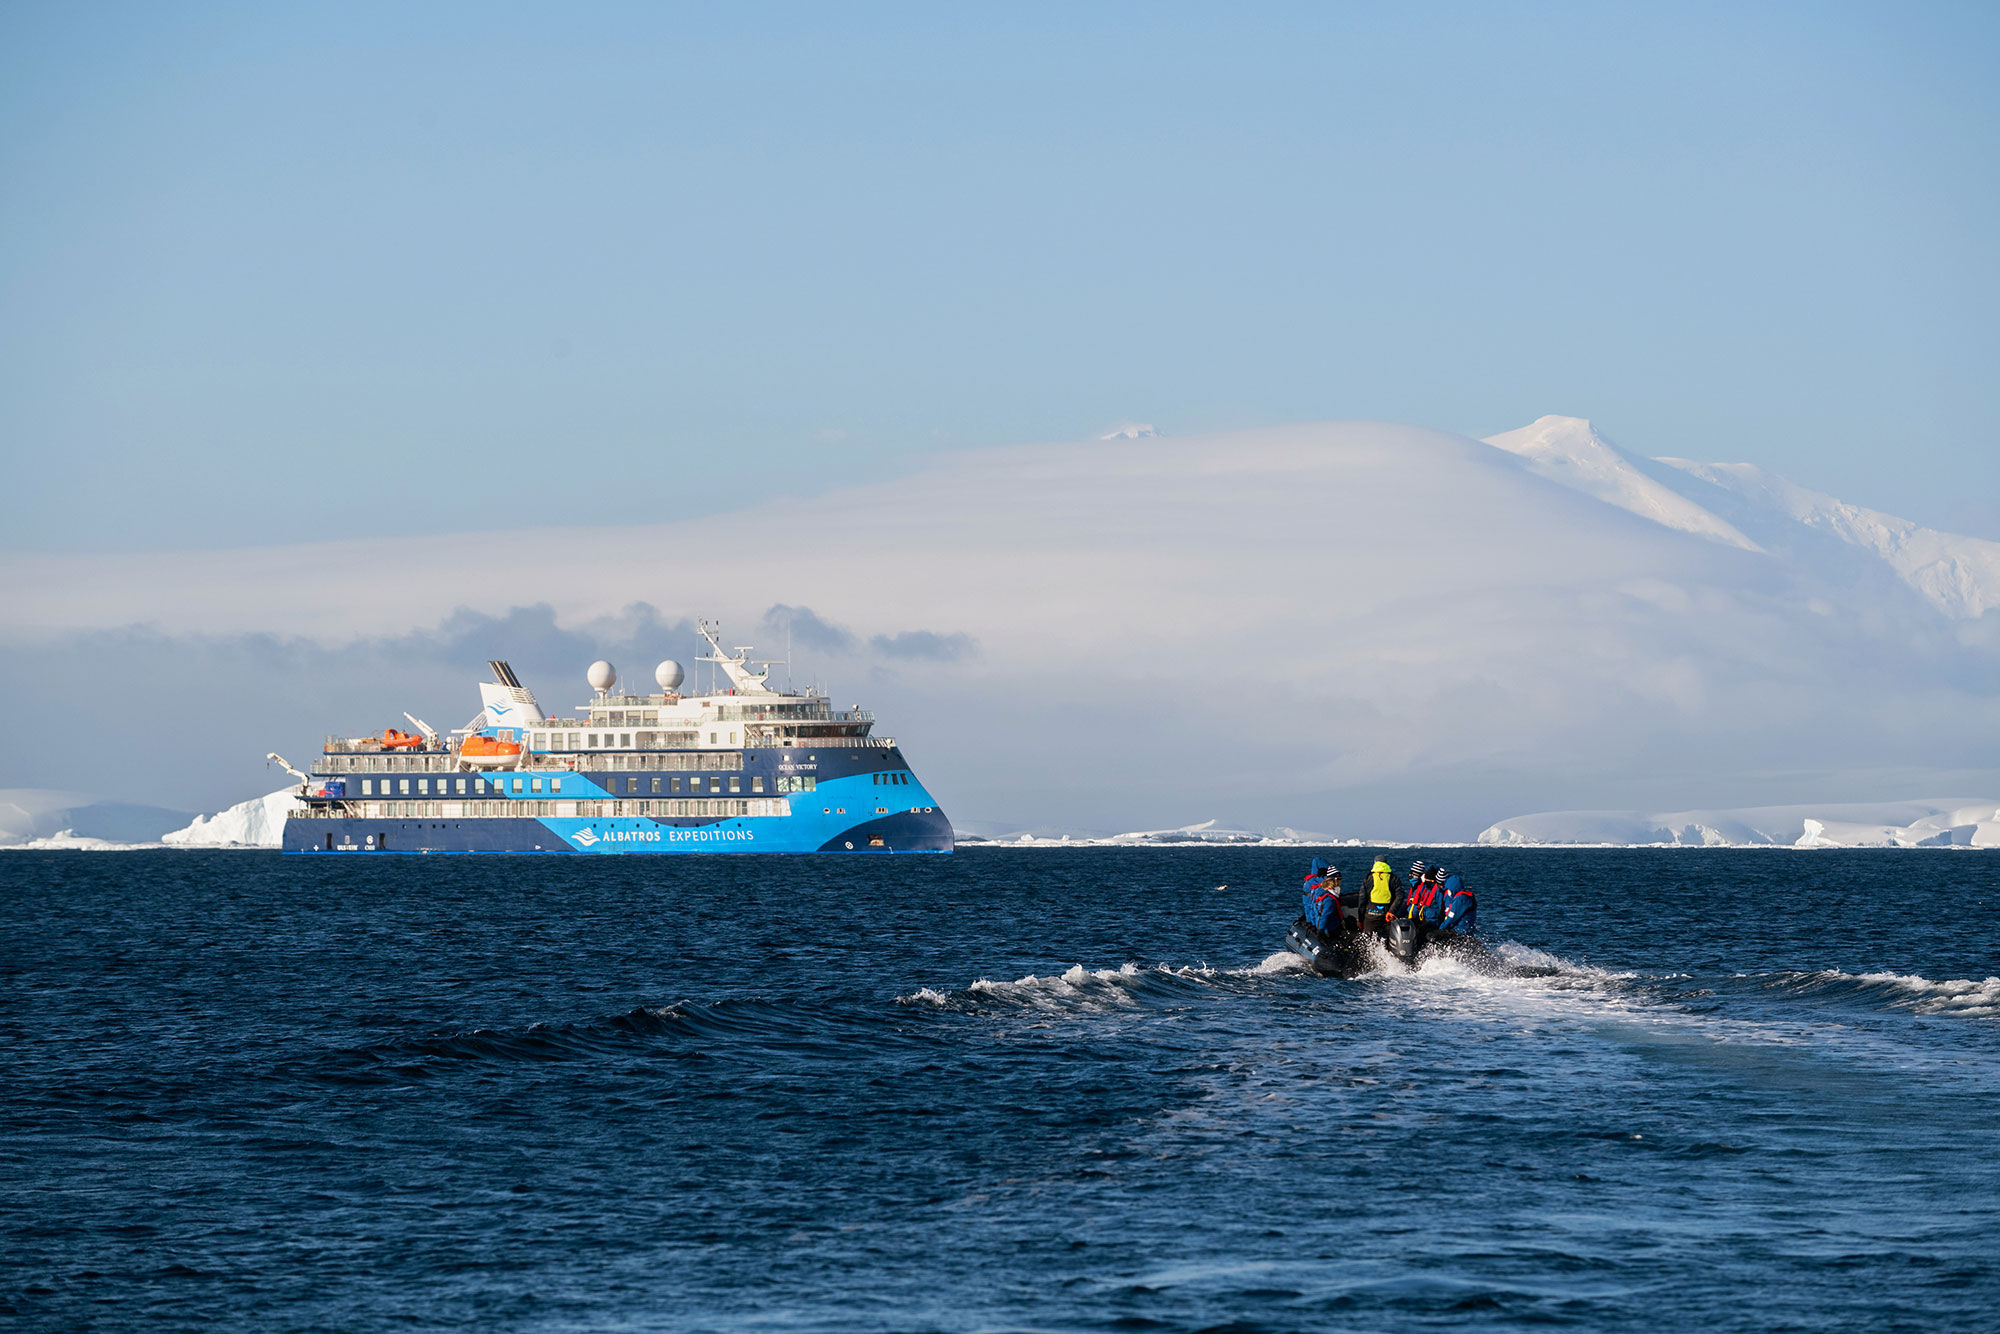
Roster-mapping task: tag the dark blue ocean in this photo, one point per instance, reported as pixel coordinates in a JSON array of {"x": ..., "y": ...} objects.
[{"x": 1010, "y": 1089}]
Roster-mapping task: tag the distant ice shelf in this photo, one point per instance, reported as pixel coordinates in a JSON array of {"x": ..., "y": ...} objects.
[
  {"x": 1208, "y": 833},
  {"x": 1955, "y": 822}
]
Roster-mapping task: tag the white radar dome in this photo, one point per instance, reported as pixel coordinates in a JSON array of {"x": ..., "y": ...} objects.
[
  {"x": 602, "y": 675},
  {"x": 669, "y": 675}
]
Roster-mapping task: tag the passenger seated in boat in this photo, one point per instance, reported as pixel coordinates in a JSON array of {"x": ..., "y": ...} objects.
[
  {"x": 1427, "y": 896},
  {"x": 1461, "y": 910},
  {"x": 1422, "y": 889},
  {"x": 1322, "y": 897},
  {"x": 1385, "y": 896}
]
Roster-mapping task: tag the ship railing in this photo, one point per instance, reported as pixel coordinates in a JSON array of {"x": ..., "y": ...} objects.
[
  {"x": 818, "y": 742},
  {"x": 368, "y": 745}
]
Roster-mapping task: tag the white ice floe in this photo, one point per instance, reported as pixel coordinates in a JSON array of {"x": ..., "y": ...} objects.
[
  {"x": 1950, "y": 822},
  {"x": 68, "y": 840},
  {"x": 257, "y": 823}
]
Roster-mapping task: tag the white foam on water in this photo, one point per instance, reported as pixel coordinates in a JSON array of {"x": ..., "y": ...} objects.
[
  {"x": 1078, "y": 987},
  {"x": 1923, "y": 995},
  {"x": 924, "y": 996},
  {"x": 1284, "y": 961}
]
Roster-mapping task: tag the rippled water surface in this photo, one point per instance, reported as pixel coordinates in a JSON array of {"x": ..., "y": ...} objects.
[{"x": 1006, "y": 1089}]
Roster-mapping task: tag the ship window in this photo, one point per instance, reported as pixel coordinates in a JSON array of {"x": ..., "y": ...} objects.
[
  {"x": 645, "y": 808},
  {"x": 534, "y": 785},
  {"x": 757, "y": 783},
  {"x": 517, "y": 785},
  {"x": 673, "y": 785},
  {"x": 656, "y": 785},
  {"x": 735, "y": 783},
  {"x": 711, "y": 738},
  {"x": 715, "y": 785},
  {"x": 593, "y": 741},
  {"x": 625, "y": 740},
  {"x": 367, "y": 787},
  {"x": 631, "y": 785},
  {"x": 877, "y": 778},
  {"x": 541, "y": 741},
  {"x": 461, "y": 787},
  {"x": 403, "y": 786},
  {"x": 423, "y": 787},
  {"x": 555, "y": 785},
  {"x": 810, "y": 782}
]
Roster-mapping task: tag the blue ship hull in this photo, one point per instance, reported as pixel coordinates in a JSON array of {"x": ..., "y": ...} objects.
[{"x": 864, "y": 799}]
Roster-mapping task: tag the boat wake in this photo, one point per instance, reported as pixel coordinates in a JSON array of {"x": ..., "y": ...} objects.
[{"x": 1956, "y": 996}]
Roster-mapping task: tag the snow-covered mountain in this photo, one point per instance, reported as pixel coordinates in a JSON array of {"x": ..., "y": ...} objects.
[
  {"x": 1744, "y": 506},
  {"x": 1369, "y": 628}
]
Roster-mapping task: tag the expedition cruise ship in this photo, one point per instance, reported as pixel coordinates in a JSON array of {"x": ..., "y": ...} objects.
[{"x": 746, "y": 769}]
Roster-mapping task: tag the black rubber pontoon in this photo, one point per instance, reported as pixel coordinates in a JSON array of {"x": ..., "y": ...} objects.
[{"x": 1349, "y": 953}]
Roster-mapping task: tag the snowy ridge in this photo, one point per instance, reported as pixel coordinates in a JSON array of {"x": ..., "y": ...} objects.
[
  {"x": 257, "y": 823},
  {"x": 1569, "y": 450},
  {"x": 1960, "y": 576},
  {"x": 1947, "y": 823},
  {"x": 1741, "y": 505}
]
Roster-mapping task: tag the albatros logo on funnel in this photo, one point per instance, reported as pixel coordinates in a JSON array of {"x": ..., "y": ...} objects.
[{"x": 584, "y": 838}]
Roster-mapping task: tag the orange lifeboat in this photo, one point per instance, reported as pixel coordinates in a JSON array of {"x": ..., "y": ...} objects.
[
  {"x": 395, "y": 740},
  {"x": 489, "y": 752}
]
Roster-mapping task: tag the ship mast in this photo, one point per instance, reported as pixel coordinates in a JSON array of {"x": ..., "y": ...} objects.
[{"x": 734, "y": 666}]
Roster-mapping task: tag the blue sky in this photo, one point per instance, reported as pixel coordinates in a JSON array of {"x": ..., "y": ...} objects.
[{"x": 278, "y": 272}]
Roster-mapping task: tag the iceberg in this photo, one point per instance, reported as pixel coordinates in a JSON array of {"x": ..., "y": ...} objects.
[{"x": 257, "y": 823}]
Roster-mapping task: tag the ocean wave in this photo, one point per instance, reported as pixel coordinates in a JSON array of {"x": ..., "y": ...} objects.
[
  {"x": 1080, "y": 989},
  {"x": 1957, "y": 996},
  {"x": 689, "y": 1030}
]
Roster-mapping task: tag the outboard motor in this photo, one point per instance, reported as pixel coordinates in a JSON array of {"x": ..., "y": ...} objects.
[{"x": 1404, "y": 938}]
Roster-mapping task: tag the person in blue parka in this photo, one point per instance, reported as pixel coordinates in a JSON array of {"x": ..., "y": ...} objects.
[
  {"x": 1461, "y": 909},
  {"x": 1321, "y": 896}
]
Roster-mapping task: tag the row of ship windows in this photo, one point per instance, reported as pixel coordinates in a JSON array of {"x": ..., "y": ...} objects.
[
  {"x": 481, "y": 786},
  {"x": 585, "y": 810},
  {"x": 559, "y": 741}
]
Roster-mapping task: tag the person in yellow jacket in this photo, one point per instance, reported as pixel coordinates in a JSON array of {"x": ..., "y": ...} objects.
[{"x": 1385, "y": 895}]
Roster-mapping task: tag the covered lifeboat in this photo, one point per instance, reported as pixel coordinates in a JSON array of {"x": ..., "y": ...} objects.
[{"x": 494, "y": 749}]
